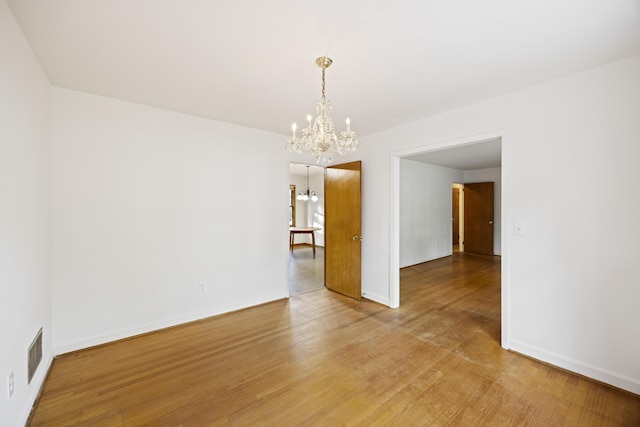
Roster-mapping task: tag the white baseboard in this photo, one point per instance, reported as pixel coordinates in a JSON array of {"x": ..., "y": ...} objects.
[
  {"x": 604, "y": 375},
  {"x": 376, "y": 298},
  {"x": 104, "y": 339},
  {"x": 423, "y": 260}
]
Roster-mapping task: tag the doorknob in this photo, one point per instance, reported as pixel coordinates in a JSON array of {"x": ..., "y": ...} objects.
[
  {"x": 358, "y": 238},
  {"x": 490, "y": 222}
]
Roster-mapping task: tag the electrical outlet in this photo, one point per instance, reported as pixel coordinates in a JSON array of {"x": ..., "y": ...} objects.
[
  {"x": 10, "y": 385},
  {"x": 201, "y": 287}
]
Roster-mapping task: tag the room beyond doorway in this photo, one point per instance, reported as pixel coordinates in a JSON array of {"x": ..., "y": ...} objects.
[
  {"x": 440, "y": 164},
  {"x": 306, "y": 272}
]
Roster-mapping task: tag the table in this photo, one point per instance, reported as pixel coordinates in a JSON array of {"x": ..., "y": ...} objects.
[{"x": 303, "y": 230}]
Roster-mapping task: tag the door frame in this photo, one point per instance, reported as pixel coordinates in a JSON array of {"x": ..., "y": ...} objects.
[
  {"x": 460, "y": 188},
  {"x": 394, "y": 217}
]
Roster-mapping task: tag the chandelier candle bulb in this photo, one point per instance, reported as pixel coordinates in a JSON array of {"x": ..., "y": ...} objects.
[{"x": 348, "y": 125}]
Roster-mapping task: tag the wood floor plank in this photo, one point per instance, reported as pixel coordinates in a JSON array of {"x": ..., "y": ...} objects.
[{"x": 323, "y": 359}]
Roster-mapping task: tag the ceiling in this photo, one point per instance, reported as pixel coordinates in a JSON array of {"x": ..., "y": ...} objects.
[
  {"x": 480, "y": 155},
  {"x": 300, "y": 169},
  {"x": 252, "y": 63}
]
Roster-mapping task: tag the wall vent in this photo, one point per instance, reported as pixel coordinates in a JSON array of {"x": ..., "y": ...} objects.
[{"x": 35, "y": 354}]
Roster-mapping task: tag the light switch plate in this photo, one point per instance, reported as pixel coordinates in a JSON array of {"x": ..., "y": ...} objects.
[{"x": 10, "y": 385}]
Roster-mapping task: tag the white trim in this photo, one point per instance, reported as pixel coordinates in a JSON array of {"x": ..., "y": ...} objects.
[
  {"x": 394, "y": 231},
  {"x": 157, "y": 326},
  {"x": 594, "y": 372},
  {"x": 505, "y": 237},
  {"x": 376, "y": 298},
  {"x": 285, "y": 233},
  {"x": 444, "y": 145}
]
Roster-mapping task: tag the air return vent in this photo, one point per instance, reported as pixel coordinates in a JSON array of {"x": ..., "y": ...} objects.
[{"x": 35, "y": 354}]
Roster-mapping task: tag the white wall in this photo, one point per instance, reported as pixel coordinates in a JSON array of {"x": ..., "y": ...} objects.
[
  {"x": 425, "y": 211},
  {"x": 491, "y": 175},
  {"x": 25, "y": 218},
  {"x": 147, "y": 204},
  {"x": 570, "y": 287},
  {"x": 301, "y": 207}
]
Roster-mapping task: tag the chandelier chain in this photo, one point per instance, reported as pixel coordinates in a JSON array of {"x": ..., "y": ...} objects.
[{"x": 323, "y": 97}]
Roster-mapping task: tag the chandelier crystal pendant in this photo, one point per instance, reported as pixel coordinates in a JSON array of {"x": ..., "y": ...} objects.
[
  {"x": 319, "y": 137},
  {"x": 308, "y": 194}
]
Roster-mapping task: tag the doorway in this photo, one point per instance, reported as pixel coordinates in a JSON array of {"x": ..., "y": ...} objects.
[
  {"x": 465, "y": 155},
  {"x": 478, "y": 218},
  {"x": 306, "y": 207},
  {"x": 472, "y": 211}
]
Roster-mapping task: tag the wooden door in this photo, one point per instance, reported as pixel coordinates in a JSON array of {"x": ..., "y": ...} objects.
[
  {"x": 343, "y": 213},
  {"x": 478, "y": 218},
  {"x": 455, "y": 215}
]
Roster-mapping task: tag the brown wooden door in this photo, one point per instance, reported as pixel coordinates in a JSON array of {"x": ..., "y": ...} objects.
[
  {"x": 478, "y": 218},
  {"x": 455, "y": 215},
  {"x": 343, "y": 213}
]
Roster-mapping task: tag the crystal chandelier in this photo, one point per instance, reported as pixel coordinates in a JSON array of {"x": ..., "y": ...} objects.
[
  {"x": 308, "y": 194},
  {"x": 319, "y": 137}
]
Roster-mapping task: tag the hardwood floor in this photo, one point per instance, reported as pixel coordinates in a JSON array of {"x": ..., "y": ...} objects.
[
  {"x": 306, "y": 273},
  {"x": 323, "y": 359}
]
